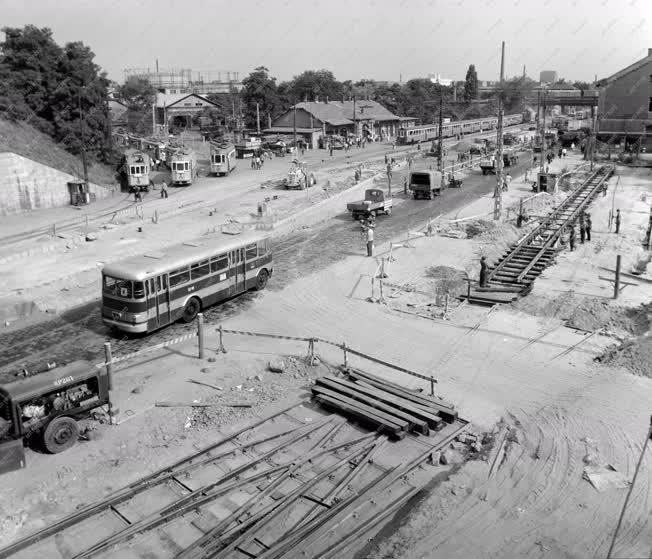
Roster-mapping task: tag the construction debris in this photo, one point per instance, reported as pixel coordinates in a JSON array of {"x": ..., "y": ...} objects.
[{"x": 199, "y": 405}]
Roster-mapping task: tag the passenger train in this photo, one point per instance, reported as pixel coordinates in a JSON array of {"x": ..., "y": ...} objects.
[{"x": 430, "y": 131}]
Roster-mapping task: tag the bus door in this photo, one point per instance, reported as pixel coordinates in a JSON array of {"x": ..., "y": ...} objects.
[
  {"x": 159, "y": 300},
  {"x": 238, "y": 266}
]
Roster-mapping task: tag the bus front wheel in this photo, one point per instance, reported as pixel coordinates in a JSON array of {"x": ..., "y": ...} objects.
[
  {"x": 261, "y": 280},
  {"x": 60, "y": 434},
  {"x": 191, "y": 310}
]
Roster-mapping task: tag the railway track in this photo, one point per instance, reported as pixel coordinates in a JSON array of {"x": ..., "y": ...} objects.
[
  {"x": 517, "y": 269},
  {"x": 287, "y": 486}
]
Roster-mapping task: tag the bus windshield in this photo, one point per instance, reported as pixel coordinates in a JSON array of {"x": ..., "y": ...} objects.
[{"x": 123, "y": 288}]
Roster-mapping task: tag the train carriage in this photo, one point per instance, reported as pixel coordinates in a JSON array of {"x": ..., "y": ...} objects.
[
  {"x": 427, "y": 132},
  {"x": 136, "y": 169},
  {"x": 223, "y": 159},
  {"x": 183, "y": 166}
]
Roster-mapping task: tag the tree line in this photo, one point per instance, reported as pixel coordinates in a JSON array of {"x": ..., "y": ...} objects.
[{"x": 54, "y": 87}]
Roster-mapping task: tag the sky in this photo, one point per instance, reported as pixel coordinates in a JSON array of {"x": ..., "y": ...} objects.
[{"x": 374, "y": 39}]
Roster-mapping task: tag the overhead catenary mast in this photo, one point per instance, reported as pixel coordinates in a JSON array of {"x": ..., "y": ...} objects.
[{"x": 499, "y": 143}]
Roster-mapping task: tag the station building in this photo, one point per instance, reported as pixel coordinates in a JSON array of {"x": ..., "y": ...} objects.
[
  {"x": 314, "y": 119},
  {"x": 625, "y": 105}
]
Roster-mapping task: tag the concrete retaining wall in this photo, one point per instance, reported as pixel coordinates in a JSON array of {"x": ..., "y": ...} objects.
[{"x": 27, "y": 185}]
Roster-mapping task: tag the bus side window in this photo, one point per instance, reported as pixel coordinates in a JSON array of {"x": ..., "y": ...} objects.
[
  {"x": 251, "y": 252},
  {"x": 219, "y": 263}
]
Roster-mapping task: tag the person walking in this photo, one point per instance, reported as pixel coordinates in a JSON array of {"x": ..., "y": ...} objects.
[
  {"x": 164, "y": 190},
  {"x": 389, "y": 171},
  {"x": 138, "y": 197},
  {"x": 571, "y": 238},
  {"x": 386, "y": 159},
  {"x": 484, "y": 271},
  {"x": 617, "y": 221},
  {"x": 582, "y": 228},
  {"x": 370, "y": 241},
  {"x": 588, "y": 227},
  {"x": 330, "y": 149}
]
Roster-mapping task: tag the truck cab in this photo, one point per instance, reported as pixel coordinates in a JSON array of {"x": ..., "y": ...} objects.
[
  {"x": 374, "y": 203},
  {"x": 424, "y": 184},
  {"x": 46, "y": 405}
]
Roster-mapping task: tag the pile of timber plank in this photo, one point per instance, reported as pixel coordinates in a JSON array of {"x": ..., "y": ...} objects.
[{"x": 389, "y": 407}]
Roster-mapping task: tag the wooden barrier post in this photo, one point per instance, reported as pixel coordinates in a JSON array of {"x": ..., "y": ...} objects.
[
  {"x": 432, "y": 386},
  {"x": 200, "y": 334},
  {"x": 346, "y": 358},
  {"x": 108, "y": 360},
  {"x": 221, "y": 348},
  {"x": 617, "y": 282}
]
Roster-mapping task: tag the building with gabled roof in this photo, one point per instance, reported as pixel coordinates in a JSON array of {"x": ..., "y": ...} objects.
[
  {"x": 625, "y": 106},
  {"x": 179, "y": 109},
  {"x": 371, "y": 120}
]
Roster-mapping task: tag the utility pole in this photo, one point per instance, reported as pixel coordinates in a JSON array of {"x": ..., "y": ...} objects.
[
  {"x": 498, "y": 203},
  {"x": 257, "y": 118},
  {"x": 543, "y": 132},
  {"x": 440, "y": 159},
  {"x": 294, "y": 126},
  {"x": 81, "y": 137},
  {"x": 355, "y": 127},
  {"x": 593, "y": 135}
]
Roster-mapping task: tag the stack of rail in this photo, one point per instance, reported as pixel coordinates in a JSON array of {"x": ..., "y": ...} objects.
[
  {"x": 523, "y": 262},
  {"x": 390, "y": 408},
  {"x": 285, "y": 487}
]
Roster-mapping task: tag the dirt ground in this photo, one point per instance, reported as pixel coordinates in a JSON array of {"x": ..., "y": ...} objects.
[{"x": 518, "y": 364}]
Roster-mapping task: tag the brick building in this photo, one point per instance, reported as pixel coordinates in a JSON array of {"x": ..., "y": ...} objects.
[{"x": 625, "y": 106}]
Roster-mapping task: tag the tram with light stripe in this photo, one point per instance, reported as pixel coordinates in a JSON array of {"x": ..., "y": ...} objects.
[
  {"x": 427, "y": 132},
  {"x": 146, "y": 292}
]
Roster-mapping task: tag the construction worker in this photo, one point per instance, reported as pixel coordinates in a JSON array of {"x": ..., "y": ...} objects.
[
  {"x": 164, "y": 190},
  {"x": 484, "y": 272},
  {"x": 571, "y": 238},
  {"x": 370, "y": 241},
  {"x": 588, "y": 227},
  {"x": 648, "y": 233},
  {"x": 617, "y": 221}
]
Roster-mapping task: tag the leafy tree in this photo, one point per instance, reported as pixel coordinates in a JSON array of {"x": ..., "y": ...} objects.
[
  {"x": 313, "y": 84},
  {"x": 138, "y": 94},
  {"x": 471, "y": 84},
  {"x": 513, "y": 93},
  {"x": 259, "y": 87},
  {"x": 582, "y": 85},
  {"x": 44, "y": 84}
]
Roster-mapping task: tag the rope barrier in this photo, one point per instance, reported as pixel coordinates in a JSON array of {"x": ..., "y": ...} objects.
[{"x": 148, "y": 349}]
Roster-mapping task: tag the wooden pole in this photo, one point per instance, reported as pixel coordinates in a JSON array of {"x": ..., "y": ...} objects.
[
  {"x": 346, "y": 357},
  {"x": 617, "y": 281},
  {"x": 200, "y": 334},
  {"x": 629, "y": 492},
  {"x": 432, "y": 386},
  {"x": 108, "y": 360}
]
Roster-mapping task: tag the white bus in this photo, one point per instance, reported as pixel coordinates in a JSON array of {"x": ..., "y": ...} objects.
[{"x": 146, "y": 292}]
